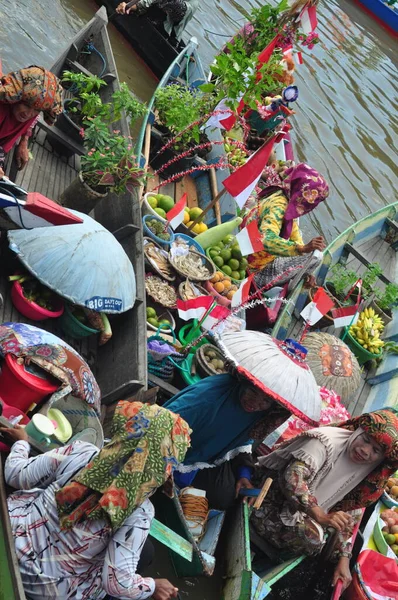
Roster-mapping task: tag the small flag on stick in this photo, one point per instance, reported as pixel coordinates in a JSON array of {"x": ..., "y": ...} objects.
[
  {"x": 175, "y": 216},
  {"x": 315, "y": 310},
  {"x": 249, "y": 239},
  {"x": 242, "y": 294},
  {"x": 218, "y": 313},
  {"x": 308, "y": 19},
  {"x": 195, "y": 308}
]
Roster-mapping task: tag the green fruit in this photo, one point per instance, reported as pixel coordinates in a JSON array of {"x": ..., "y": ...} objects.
[
  {"x": 242, "y": 274},
  {"x": 166, "y": 203},
  {"x": 229, "y": 239},
  {"x": 152, "y": 201},
  {"x": 195, "y": 212},
  {"x": 234, "y": 264},
  {"x": 164, "y": 322},
  {"x": 235, "y": 274},
  {"x": 227, "y": 270},
  {"x": 390, "y": 539},
  {"x": 218, "y": 261},
  {"x": 151, "y": 313},
  {"x": 225, "y": 255},
  {"x": 220, "y": 245},
  {"x": 243, "y": 263},
  {"x": 236, "y": 253},
  {"x": 160, "y": 212},
  {"x": 214, "y": 252},
  {"x": 155, "y": 323}
]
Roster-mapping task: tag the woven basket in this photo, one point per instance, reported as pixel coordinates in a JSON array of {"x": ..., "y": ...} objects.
[
  {"x": 333, "y": 364},
  {"x": 202, "y": 290},
  {"x": 151, "y": 263},
  {"x": 160, "y": 364},
  {"x": 205, "y": 261},
  {"x": 161, "y": 282},
  {"x": 205, "y": 368}
]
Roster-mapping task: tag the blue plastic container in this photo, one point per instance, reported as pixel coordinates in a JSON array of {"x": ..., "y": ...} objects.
[
  {"x": 148, "y": 232},
  {"x": 190, "y": 241}
]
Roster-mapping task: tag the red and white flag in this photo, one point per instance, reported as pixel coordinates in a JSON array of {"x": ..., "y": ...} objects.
[
  {"x": 298, "y": 57},
  {"x": 242, "y": 182},
  {"x": 175, "y": 216},
  {"x": 225, "y": 119},
  {"x": 195, "y": 308},
  {"x": 242, "y": 294},
  {"x": 217, "y": 314},
  {"x": 308, "y": 19},
  {"x": 345, "y": 316},
  {"x": 249, "y": 239},
  {"x": 287, "y": 50},
  {"x": 266, "y": 54},
  {"x": 315, "y": 310}
]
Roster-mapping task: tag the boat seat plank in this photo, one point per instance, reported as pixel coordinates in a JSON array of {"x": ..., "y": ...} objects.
[
  {"x": 62, "y": 138},
  {"x": 350, "y": 249},
  {"x": 186, "y": 184}
]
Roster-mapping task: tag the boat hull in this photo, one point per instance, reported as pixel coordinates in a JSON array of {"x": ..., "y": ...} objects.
[{"x": 384, "y": 15}]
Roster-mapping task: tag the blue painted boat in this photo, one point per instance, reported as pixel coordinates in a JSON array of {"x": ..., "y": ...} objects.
[{"x": 385, "y": 15}]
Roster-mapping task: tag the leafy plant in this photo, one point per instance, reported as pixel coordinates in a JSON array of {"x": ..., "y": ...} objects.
[
  {"x": 369, "y": 279},
  {"x": 110, "y": 162},
  {"x": 389, "y": 298},
  {"x": 123, "y": 99},
  {"x": 82, "y": 83},
  {"x": 178, "y": 107},
  {"x": 342, "y": 279},
  {"x": 264, "y": 21}
]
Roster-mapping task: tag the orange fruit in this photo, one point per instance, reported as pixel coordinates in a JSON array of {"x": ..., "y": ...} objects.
[
  {"x": 227, "y": 284},
  {"x": 230, "y": 294},
  {"x": 221, "y": 275},
  {"x": 219, "y": 287},
  {"x": 396, "y": 537},
  {"x": 217, "y": 277}
]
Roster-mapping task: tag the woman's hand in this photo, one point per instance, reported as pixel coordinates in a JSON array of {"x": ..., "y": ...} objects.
[
  {"x": 244, "y": 483},
  {"x": 121, "y": 8},
  {"x": 17, "y": 433},
  {"x": 338, "y": 520},
  {"x": 317, "y": 243},
  {"x": 164, "y": 590},
  {"x": 342, "y": 571},
  {"x": 22, "y": 155},
  {"x": 1, "y": 173}
]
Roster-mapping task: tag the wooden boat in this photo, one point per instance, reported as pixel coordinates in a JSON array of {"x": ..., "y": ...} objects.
[
  {"x": 151, "y": 45},
  {"x": 385, "y": 15},
  {"x": 372, "y": 239}
]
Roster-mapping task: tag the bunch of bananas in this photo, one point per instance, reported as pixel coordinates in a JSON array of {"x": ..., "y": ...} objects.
[
  {"x": 367, "y": 331},
  {"x": 236, "y": 156}
]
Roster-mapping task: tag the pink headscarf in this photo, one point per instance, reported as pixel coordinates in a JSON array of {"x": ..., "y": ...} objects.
[{"x": 305, "y": 188}]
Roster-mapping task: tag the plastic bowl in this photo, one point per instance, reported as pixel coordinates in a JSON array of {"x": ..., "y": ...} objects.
[
  {"x": 148, "y": 232},
  {"x": 190, "y": 241},
  {"x": 220, "y": 299},
  {"x": 361, "y": 353},
  {"x": 73, "y": 327},
  {"x": 378, "y": 537},
  {"x": 388, "y": 500},
  {"x": 30, "y": 309},
  {"x": 147, "y": 208}
]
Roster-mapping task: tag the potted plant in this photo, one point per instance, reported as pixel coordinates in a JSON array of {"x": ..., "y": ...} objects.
[
  {"x": 177, "y": 108},
  {"x": 385, "y": 301},
  {"x": 109, "y": 165},
  {"x": 369, "y": 280},
  {"x": 340, "y": 281}
]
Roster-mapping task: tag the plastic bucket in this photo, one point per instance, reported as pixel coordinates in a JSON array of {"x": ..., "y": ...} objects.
[
  {"x": 185, "y": 335},
  {"x": 73, "y": 327},
  {"x": 10, "y": 412},
  {"x": 361, "y": 353},
  {"x": 355, "y": 590},
  {"x": 19, "y": 388},
  {"x": 30, "y": 309},
  {"x": 185, "y": 370},
  {"x": 148, "y": 232}
]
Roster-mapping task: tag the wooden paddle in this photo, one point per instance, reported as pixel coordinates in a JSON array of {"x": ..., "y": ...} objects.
[{"x": 128, "y": 5}]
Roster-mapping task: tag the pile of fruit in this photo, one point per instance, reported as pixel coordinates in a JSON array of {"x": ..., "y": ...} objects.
[
  {"x": 392, "y": 487},
  {"x": 157, "y": 228},
  {"x": 190, "y": 215},
  {"x": 214, "y": 359},
  {"x": 390, "y": 529},
  {"x": 227, "y": 257},
  {"x": 155, "y": 320},
  {"x": 223, "y": 285},
  {"x": 367, "y": 331},
  {"x": 236, "y": 156},
  {"x": 161, "y": 204}
]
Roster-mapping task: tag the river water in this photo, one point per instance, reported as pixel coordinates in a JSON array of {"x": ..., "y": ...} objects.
[{"x": 346, "y": 120}]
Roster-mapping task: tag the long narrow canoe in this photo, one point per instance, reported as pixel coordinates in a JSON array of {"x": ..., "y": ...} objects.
[{"x": 386, "y": 16}]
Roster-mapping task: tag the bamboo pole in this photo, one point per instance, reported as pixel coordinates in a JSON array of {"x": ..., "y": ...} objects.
[
  {"x": 147, "y": 149},
  {"x": 214, "y": 191},
  {"x": 263, "y": 493},
  {"x": 208, "y": 207}
]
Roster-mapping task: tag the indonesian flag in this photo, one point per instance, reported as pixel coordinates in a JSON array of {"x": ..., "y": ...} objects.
[
  {"x": 194, "y": 309},
  {"x": 249, "y": 239},
  {"x": 345, "y": 316},
  {"x": 298, "y": 57},
  {"x": 242, "y": 182},
  {"x": 308, "y": 19},
  {"x": 242, "y": 294},
  {"x": 175, "y": 216},
  {"x": 266, "y": 54},
  {"x": 225, "y": 119},
  {"x": 217, "y": 314},
  {"x": 287, "y": 50},
  {"x": 315, "y": 310}
]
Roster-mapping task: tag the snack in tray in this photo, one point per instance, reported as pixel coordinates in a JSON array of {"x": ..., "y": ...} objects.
[
  {"x": 161, "y": 291},
  {"x": 189, "y": 291},
  {"x": 158, "y": 258}
]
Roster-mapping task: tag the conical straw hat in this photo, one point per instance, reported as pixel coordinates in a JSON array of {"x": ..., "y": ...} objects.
[
  {"x": 278, "y": 368},
  {"x": 333, "y": 364}
]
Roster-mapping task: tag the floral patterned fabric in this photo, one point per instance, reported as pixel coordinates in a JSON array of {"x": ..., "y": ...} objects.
[
  {"x": 148, "y": 441},
  {"x": 35, "y": 86},
  {"x": 54, "y": 356}
]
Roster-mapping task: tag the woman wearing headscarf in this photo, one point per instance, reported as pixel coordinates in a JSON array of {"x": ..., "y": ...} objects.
[
  {"x": 322, "y": 479},
  {"x": 24, "y": 94},
  {"x": 300, "y": 190},
  {"x": 82, "y": 516},
  {"x": 226, "y": 413}
]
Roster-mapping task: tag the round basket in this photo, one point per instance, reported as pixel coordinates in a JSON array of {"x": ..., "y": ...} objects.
[
  {"x": 190, "y": 241},
  {"x": 204, "y": 260},
  {"x": 158, "y": 290},
  {"x": 149, "y": 233},
  {"x": 151, "y": 262},
  {"x": 205, "y": 368},
  {"x": 361, "y": 353},
  {"x": 161, "y": 312},
  {"x": 201, "y": 290}
]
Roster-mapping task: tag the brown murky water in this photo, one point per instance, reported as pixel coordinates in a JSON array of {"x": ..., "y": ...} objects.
[{"x": 346, "y": 123}]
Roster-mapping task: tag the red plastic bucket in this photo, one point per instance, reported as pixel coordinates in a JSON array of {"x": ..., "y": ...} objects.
[
  {"x": 20, "y": 388},
  {"x": 30, "y": 309},
  {"x": 8, "y": 413}
]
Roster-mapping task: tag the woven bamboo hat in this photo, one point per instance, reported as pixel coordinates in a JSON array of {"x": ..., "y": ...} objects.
[
  {"x": 333, "y": 364},
  {"x": 278, "y": 368}
]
